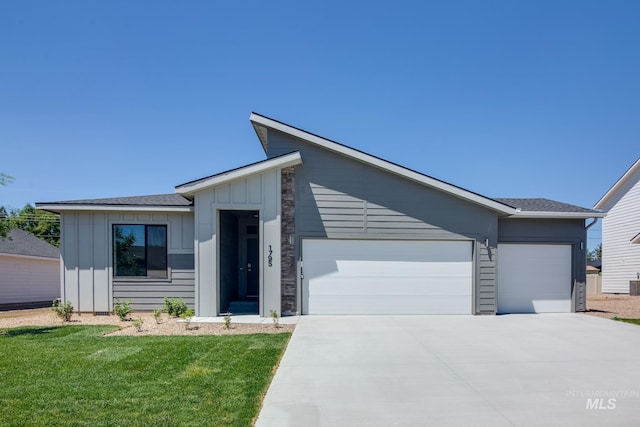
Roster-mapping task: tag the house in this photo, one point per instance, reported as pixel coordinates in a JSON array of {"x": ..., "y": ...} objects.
[
  {"x": 620, "y": 232},
  {"x": 29, "y": 270},
  {"x": 321, "y": 228}
]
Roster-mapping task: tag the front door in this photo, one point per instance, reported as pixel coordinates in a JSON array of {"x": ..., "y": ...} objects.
[{"x": 252, "y": 267}]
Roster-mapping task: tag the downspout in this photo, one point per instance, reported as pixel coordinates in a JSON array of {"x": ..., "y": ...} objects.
[{"x": 592, "y": 224}]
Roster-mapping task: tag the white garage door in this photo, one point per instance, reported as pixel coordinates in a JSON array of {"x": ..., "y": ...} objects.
[
  {"x": 534, "y": 278},
  {"x": 386, "y": 277}
]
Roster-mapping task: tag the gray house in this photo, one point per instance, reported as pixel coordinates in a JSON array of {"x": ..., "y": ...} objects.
[{"x": 322, "y": 228}]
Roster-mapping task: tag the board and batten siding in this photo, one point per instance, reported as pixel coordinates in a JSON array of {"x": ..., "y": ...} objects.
[
  {"x": 340, "y": 197},
  {"x": 545, "y": 231},
  {"x": 258, "y": 192},
  {"x": 28, "y": 279},
  {"x": 87, "y": 252},
  {"x": 620, "y": 257}
]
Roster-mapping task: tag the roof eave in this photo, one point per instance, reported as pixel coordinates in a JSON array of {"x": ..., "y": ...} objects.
[
  {"x": 283, "y": 161},
  {"x": 614, "y": 189},
  {"x": 558, "y": 215},
  {"x": 258, "y": 120},
  {"x": 58, "y": 208}
]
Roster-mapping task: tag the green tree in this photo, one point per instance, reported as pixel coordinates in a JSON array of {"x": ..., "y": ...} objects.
[
  {"x": 5, "y": 179},
  {"x": 4, "y": 225},
  {"x": 44, "y": 225},
  {"x": 595, "y": 254}
]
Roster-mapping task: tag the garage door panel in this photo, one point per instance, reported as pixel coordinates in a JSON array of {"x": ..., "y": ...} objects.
[
  {"x": 534, "y": 278},
  {"x": 386, "y": 277}
]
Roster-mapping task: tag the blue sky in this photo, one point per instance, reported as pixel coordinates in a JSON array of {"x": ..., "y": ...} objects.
[{"x": 504, "y": 98}]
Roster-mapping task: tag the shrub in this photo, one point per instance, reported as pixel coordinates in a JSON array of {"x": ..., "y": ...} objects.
[
  {"x": 137, "y": 323},
  {"x": 227, "y": 321},
  {"x": 276, "y": 318},
  {"x": 175, "y": 307},
  {"x": 122, "y": 309},
  {"x": 186, "y": 316},
  {"x": 157, "y": 315},
  {"x": 62, "y": 310}
]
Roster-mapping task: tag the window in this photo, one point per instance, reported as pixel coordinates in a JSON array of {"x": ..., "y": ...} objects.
[{"x": 140, "y": 251}]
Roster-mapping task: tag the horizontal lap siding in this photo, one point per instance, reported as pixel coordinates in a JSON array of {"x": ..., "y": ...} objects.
[
  {"x": 26, "y": 280},
  {"x": 339, "y": 197},
  {"x": 486, "y": 289},
  {"x": 150, "y": 295},
  {"x": 620, "y": 257}
]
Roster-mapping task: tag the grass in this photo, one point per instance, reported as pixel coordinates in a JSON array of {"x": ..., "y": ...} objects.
[
  {"x": 73, "y": 376},
  {"x": 632, "y": 321}
]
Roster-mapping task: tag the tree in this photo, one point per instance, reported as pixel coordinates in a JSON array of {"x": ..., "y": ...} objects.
[
  {"x": 595, "y": 254},
  {"x": 4, "y": 226},
  {"x": 44, "y": 225},
  {"x": 5, "y": 179}
]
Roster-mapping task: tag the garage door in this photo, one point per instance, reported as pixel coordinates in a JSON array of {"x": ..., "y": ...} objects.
[
  {"x": 534, "y": 278},
  {"x": 386, "y": 277}
]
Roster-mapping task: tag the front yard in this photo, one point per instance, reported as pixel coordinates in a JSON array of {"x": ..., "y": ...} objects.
[{"x": 72, "y": 375}]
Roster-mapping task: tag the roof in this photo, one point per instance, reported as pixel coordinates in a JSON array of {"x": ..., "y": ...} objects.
[
  {"x": 282, "y": 161},
  {"x": 261, "y": 122},
  {"x": 535, "y": 207},
  {"x": 520, "y": 208},
  {"x": 20, "y": 242},
  {"x": 592, "y": 268},
  {"x": 620, "y": 185},
  {"x": 162, "y": 202}
]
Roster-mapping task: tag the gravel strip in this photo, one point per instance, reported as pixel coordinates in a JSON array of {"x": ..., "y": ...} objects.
[
  {"x": 610, "y": 306},
  {"x": 168, "y": 326}
]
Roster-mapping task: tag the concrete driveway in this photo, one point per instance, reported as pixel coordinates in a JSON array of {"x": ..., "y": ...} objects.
[{"x": 514, "y": 370}]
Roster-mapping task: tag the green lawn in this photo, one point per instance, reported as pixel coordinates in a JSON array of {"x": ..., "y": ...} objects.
[
  {"x": 632, "y": 321},
  {"x": 72, "y": 376}
]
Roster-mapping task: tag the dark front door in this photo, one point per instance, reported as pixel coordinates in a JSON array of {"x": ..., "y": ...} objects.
[{"x": 252, "y": 267}]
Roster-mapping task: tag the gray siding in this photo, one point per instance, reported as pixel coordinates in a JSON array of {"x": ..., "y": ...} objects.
[
  {"x": 87, "y": 273},
  {"x": 339, "y": 197},
  {"x": 566, "y": 231}
]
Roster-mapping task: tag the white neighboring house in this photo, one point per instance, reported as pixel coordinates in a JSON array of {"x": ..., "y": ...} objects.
[
  {"x": 29, "y": 270},
  {"x": 621, "y": 232}
]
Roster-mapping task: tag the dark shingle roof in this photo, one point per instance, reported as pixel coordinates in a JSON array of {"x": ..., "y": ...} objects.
[
  {"x": 19, "y": 242},
  {"x": 155, "y": 200},
  {"x": 543, "y": 205}
]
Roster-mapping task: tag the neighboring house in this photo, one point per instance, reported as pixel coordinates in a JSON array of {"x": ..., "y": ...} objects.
[
  {"x": 29, "y": 270},
  {"x": 322, "y": 228},
  {"x": 594, "y": 280},
  {"x": 620, "y": 232}
]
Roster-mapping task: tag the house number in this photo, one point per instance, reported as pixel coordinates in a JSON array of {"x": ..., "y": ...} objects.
[{"x": 270, "y": 258}]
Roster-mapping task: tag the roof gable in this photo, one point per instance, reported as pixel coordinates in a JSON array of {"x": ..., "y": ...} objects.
[
  {"x": 261, "y": 124},
  {"x": 283, "y": 161},
  {"x": 620, "y": 188},
  {"x": 20, "y": 242}
]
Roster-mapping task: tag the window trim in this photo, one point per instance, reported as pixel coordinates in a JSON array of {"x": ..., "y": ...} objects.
[{"x": 138, "y": 279}]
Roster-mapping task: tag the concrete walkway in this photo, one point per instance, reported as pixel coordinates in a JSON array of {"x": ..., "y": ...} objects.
[{"x": 514, "y": 370}]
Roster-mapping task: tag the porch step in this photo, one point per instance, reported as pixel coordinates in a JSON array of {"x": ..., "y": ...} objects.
[{"x": 243, "y": 307}]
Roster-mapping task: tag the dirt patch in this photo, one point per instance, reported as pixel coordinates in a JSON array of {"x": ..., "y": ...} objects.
[
  {"x": 610, "y": 306},
  {"x": 168, "y": 326}
]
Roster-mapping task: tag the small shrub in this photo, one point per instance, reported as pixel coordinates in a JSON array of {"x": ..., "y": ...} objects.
[
  {"x": 62, "y": 310},
  {"x": 137, "y": 323},
  {"x": 276, "y": 318},
  {"x": 175, "y": 307},
  {"x": 157, "y": 315},
  {"x": 227, "y": 321},
  {"x": 122, "y": 309},
  {"x": 187, "y": 316}
]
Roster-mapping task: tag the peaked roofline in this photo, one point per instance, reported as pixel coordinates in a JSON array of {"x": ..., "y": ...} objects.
[
  {"x": 619, "y": 183},
  {"x": 258, "y": 121},
  {"x": 283, "y": 161}
]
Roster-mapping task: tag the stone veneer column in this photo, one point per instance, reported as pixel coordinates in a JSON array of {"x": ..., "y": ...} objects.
[{"x": 288, "y": 228}]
